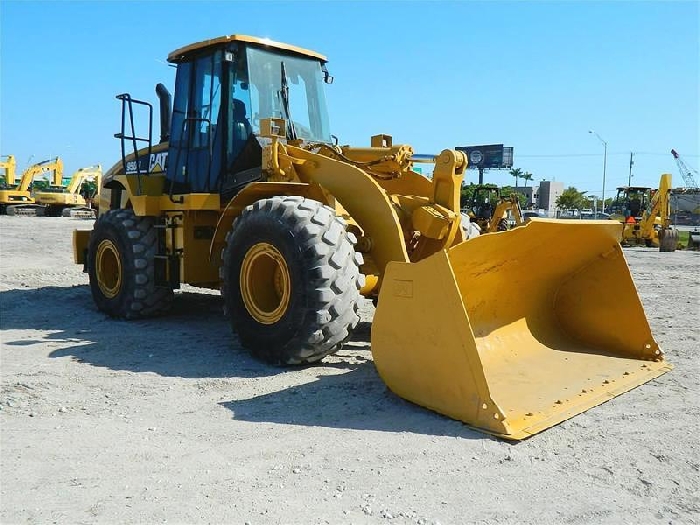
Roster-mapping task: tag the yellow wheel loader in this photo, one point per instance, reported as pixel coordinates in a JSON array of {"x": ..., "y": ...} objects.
[
  {"x": 247, "y": 192},
  {"x": 492, "y": 211},
  {"x": 68, "y": 200},
  {"x": 646, "y": 215},
  {"x": 15, "y": 197}
]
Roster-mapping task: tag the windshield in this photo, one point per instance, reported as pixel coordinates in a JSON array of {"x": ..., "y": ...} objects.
[{"x": 306, "y": 98}]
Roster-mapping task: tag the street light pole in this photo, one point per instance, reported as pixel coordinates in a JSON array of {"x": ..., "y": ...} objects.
[
  {"x": 629, "y": 179},
  {"x": 605, "y": 165}
]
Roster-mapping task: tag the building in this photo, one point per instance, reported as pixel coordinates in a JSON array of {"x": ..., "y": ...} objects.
[
  {"x": 543, "y": 196},
  {"x": 530, "y": 193},
  {"x": 548, "y": 193}
]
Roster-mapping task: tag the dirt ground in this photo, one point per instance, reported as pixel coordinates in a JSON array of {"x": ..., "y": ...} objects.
[{"x": 169, "y": 420}]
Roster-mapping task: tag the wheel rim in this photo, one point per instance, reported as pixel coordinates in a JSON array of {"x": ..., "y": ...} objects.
[
  {"x": 265, "y": 283},
  {"x": 109, "y": 269}
]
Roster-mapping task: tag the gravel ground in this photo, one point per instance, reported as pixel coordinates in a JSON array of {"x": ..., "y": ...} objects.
[{"x": 169, "y": 420}]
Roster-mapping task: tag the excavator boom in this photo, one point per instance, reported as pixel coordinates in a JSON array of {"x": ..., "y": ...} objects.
[
  {"x": 81, "y": 176},
  {"x": 28, "y": 175},
  {"x": 8, "y": 165}
]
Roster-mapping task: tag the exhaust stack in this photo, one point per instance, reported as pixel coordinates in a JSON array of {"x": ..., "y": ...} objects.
[{"x": 165, "y": 105}]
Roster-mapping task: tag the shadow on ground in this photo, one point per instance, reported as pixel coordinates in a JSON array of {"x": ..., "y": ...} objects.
[
  {"x": 195, "y": 341},
  {"x": 356, "y": 400}
]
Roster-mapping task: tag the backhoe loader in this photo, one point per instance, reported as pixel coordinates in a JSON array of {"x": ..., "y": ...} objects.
[
  {"x": 68, "y": 200},
  {"x": 16, "y": 198},
  {"x": 645, "y": 215},
  {"x": 491, "y": 211},
  {"x": 247, "y": 192}
]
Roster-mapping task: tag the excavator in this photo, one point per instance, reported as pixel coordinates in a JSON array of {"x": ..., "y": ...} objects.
[
  {"x": 645, "y": 215},
  {"x": 16, "y": 198},
  {"x": 247, "y": 192},
  {"x": 68, "y": 200},
  {"x": 491, "y": 211},
  {"x": 8, "y": 186}
]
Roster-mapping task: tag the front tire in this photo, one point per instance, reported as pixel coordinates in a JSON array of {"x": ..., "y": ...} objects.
[
  {"x": 121, "y": 266},
  {"x": 291, "y": 280}
]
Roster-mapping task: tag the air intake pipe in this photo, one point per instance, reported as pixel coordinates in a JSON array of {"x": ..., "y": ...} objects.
[{"x": 165, "y": 105}]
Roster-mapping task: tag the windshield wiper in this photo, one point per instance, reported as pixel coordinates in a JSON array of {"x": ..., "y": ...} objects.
[{"x": 284, "y": 95}]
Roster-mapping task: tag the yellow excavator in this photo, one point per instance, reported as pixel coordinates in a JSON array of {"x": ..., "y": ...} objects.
[
  {"x": 248, "y": 192},
  {"x": 492, "y": 211},
  {"x": 68, "y": 200},
  {"x": 9, "y": 195},
  {"x": 645, "y": 215},
  {"x": 16, "y": 198}
]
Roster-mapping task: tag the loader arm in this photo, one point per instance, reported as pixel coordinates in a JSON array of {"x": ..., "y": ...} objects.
[
  {"x": 361, "y": 196},
  {"x": 386, "y": 218}
]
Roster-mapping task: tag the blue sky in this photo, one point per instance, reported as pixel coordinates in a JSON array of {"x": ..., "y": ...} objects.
[{"x": 532, "y": 75}]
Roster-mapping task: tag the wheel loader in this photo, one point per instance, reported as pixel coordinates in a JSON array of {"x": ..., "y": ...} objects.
[
  {"x": 645, "y": 215},
  {"x": 491, "y": 211},
  {"x": 247, "y": 191}
]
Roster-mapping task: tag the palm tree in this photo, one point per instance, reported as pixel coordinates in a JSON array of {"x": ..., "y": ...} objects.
[
  {"x": 517, "y": 173},
  {"x": 527, "y": 176}
]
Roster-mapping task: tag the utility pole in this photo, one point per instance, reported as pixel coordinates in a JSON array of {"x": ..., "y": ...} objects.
[{"x": 629, "y": 180}]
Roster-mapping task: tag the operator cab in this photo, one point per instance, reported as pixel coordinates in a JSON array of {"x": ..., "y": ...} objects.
[
  {"x": 223, "y": 88},
  {"x": 483, "y": 201},
  {"x": 631, "y": 201}
]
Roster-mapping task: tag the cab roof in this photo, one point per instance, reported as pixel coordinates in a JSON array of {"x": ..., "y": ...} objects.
[{"x": 179, "y": 54}]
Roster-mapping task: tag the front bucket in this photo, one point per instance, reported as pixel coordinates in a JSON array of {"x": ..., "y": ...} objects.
[{"x": 516, "y": 331}]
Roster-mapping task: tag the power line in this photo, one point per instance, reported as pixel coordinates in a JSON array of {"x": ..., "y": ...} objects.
[
  {"x": 595, "y": 154},
  {"x": 567, "y": 155}
]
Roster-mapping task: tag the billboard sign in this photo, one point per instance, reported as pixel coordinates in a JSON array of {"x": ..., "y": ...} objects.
[{"x": 491, "y": 156}]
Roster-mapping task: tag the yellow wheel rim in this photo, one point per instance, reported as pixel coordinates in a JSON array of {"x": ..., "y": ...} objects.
[
  {"x": 265, "y": 283},
  {"x": 109, "y": 269}
]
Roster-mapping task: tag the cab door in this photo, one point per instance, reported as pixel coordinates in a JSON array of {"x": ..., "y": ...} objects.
[{"x": 197, "y": 133}]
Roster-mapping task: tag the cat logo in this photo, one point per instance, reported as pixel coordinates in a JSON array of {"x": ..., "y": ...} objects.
[{"x": 158, "y": 162}]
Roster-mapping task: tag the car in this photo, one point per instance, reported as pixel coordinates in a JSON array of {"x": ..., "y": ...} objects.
[
  {"x": 527, "y": 215},
  {"x": 599, "y": 215}
]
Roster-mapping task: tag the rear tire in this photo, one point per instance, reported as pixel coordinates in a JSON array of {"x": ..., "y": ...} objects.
[
  {"x": 502, "y": 225},
  {"x": 668, "y": 240},
  {"x": 121, "y": 266},
  {"x": 291, "y": 280}
]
